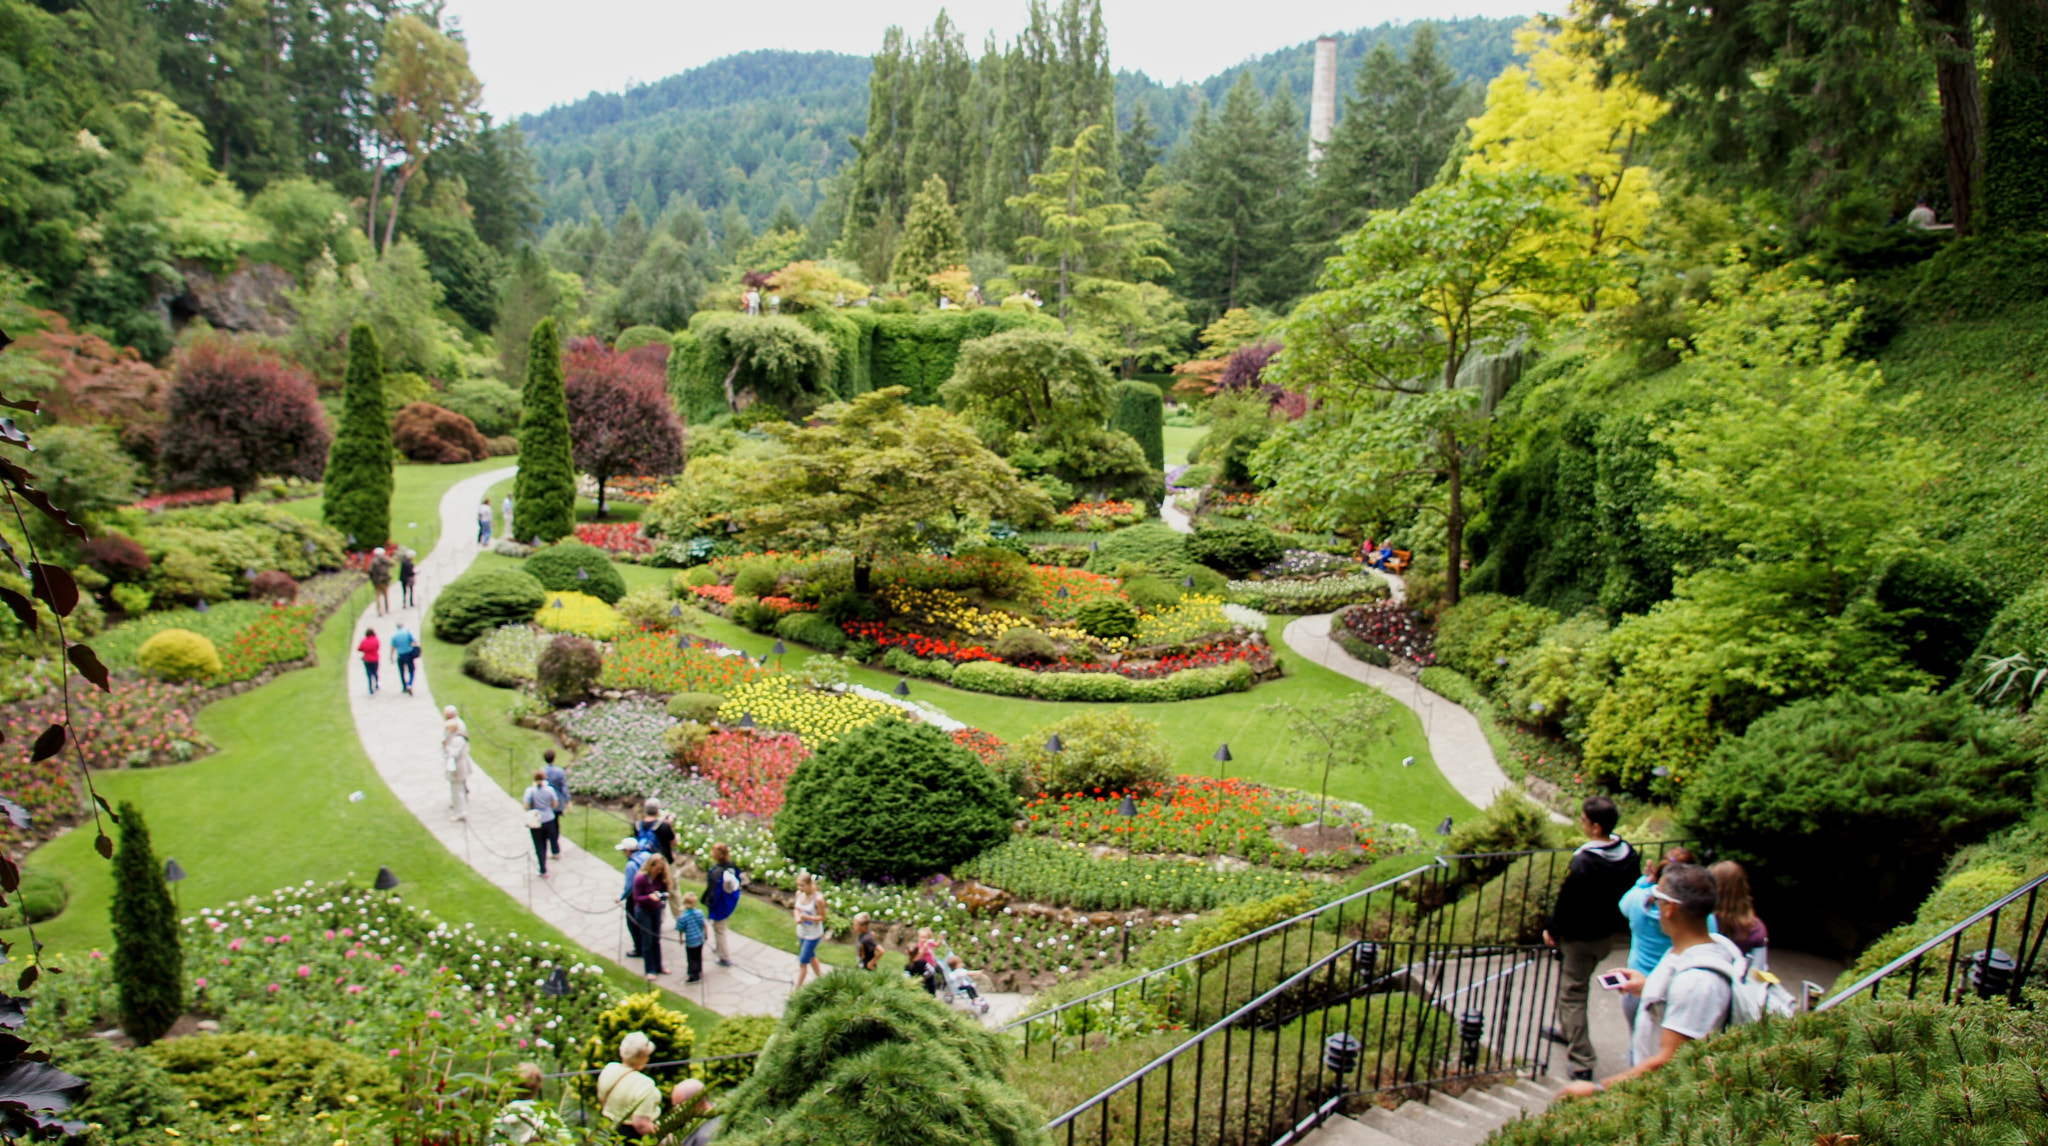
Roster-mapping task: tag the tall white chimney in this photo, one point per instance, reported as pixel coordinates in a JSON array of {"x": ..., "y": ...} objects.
[{"x": 1322, "y": 99}]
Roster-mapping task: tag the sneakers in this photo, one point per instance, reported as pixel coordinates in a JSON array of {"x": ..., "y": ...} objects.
[
  {"x": 1582, "y": 1076},
  {"x": 725, "y": 962}
]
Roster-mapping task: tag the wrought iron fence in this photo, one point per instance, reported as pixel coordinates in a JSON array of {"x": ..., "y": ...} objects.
[{"x": 1987, "y": 972}]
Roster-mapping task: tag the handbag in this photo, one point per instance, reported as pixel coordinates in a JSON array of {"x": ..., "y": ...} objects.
[{"x": 533, "y": 820}]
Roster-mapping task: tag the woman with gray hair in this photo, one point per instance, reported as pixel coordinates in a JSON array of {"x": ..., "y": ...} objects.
[
  {"x": 626, "y": 1098},
  {"x": 456, "y": 764}
]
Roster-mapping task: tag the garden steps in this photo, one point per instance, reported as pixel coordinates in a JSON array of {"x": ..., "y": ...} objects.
[
  {"x": 402, "y": 736},
  {"x": 1442, "y": 1120}
]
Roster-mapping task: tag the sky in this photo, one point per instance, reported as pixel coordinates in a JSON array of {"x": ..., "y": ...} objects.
[{"x": 534, "y": 54}]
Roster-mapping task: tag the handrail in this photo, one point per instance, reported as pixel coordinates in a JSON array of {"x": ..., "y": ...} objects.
[{"x": 1952, "y": 935}]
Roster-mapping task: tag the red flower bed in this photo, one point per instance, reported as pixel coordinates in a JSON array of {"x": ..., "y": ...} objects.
[
  {"x": 186, "y": 497},
  {"x": 138, "y": 720},
  {"x": 1196, "y": 815},
  {"x": 1395, "y": 628},
  {"x": 919, "y": 645},
  {"x": 660, "y": 661},
  {"x": 786, "y": 606},
  {"x": 278, "y": 636},
  {"x": 635, "y": 488},
  {"x": 750, "y": 769},
  {"x": 980, "y": 743},
  {"x": 1101, "y": 515},
  {"x": 615, "y": 537},
  {"x": 722, "y": 594},
  {"x": 1221, "y": 653},
  {"x": 1081, "y": 586}
]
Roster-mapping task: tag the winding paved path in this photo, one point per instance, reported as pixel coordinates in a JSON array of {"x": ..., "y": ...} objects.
[{"x": 402, "y": 734}]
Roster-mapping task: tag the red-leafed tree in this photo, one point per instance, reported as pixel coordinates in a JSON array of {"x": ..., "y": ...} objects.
[
  {"x": 92, "y": 380},
  {"x": 425, "y": 432},
  {"x": 620, "y": 419},
  {"x": 238, "y": 413}
]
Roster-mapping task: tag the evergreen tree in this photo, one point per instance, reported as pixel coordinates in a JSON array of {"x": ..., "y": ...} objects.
[
  {"x": 931, "y": 237},
  {"x": 1398, "y": 127},
  {"x": 545, "y": 490},
  {"x": 359, "y": 480},
  {"x": 1078, "y": 239},
  {"x": 1141, "y": 413},
  {"x": 149, "y": 966},
  {"x": 628, "y": 242},
  {"x": 1233, "y": 221},
  {"x": 1138, "y": 151}
]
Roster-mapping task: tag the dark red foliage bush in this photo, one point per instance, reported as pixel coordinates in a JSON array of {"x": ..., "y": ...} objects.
[
  {"x": 274, "y": 585},
  {"x": 620, "y": 418},
  {"x": 238, "y": 413},
  {"x": 118, "y": 558},
  {"x": 425, "y": 432}
]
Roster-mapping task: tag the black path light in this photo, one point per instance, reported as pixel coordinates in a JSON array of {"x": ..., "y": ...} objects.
[
  {"x": 385, "y": 880},
  {"x": 1444, "y": 829},
  {"x": 902, "y": 688},
  {"x": 174, "y": 872},
  {"x": 557, "y": 984},
  {"x": 1188, "y": 582},
  {"x": 675, "y": 610},
  {"x": 1055, "y": 744},
  {"x": 201, "y": 606},
  {"x": 779, "y": 648},
  {"x": 747, "y": 720},
  {"x": 583, "y": 574},
  {"x": 1128, "y": 808}
]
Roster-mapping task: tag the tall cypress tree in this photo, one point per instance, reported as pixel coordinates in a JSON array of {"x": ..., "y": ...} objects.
[
  {"x": 544, "y": 493},
  {"x": 359, "y": 481},
  {"x": 149, "y": 968}
]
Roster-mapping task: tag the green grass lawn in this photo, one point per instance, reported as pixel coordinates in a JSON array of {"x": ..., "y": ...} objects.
[
  {"x": 1178, "y": 439},
  {"x": 416, "y": 499}
]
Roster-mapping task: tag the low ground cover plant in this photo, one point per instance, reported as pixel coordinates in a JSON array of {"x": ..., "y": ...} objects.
[
  {"x": 817, "y": 717},
  {"x": 624, "y": 747},
  {"x": 578, "y": 613},
  {"x": 1052, "y": 872},
  {"x": 1200, "y": 816}
]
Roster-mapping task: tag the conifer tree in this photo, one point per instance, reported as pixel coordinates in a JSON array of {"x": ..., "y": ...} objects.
[
  {"x": 149, "y": 967},
  {"x": 931, "y": 237},
  {"x": 1141, "y": 413},
  {"x": 1138, "y": 150},
  {"x": 1399, "y": 125},
  {"x": 359, "y": 481},
  {"x": 1234, "y": 225},
  {"x": 545, "y": 490}
]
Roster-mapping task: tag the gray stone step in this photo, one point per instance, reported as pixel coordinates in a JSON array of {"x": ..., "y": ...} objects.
[
  {"x": 1464, "y": 1111},
  {"x": 1417, "y": 1125},
  {"x": 1342, "y": 1131},
  {"x": 1503, "y": 1109}
]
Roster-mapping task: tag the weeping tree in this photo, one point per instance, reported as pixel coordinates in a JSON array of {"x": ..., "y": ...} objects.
[
  {"x": 863, "y": 1056},
  {"x": 745, "y": 359}
]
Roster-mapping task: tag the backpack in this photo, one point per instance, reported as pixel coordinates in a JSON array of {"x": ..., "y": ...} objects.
[
  {"x": 1754, "y": 996},
  {"x": 649, "y": 842}
]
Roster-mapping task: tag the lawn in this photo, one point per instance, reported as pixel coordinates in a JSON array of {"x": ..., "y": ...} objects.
[
  {"x": 1179, "y": 439},
  {"x": 416, "y": 500}
]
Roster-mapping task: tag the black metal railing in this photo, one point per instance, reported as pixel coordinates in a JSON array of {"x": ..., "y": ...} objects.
[{"x": 1987, "y": 972}]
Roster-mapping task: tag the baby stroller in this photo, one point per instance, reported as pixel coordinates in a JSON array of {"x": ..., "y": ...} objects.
[{"x": 957, "y": 983}]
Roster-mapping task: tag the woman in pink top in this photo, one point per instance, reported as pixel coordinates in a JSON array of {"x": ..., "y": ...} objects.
[{"x": 371, "y": 650}]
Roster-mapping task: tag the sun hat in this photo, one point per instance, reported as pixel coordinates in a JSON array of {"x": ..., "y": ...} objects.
[{"x": 629, "y": 844}]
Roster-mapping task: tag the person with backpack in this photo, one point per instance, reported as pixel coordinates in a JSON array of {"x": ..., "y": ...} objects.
[
  {"x": 558, "y": 779},
  {"x": 408, "y": 574},
  {"x": 1647, "y": 942},
  {"x": 721, "y": 897},
  {"x": 1693, "y": 992},
  {"x": 661, "y": 828},
  {"x": 405, "y": 649},
  {"x": 1584, "y": 922}
]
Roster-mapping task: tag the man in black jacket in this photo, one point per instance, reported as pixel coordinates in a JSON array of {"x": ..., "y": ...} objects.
[{"x": 1585, "y": 920}]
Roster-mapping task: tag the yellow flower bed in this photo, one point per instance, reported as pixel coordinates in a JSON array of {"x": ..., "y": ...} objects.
[
  {"x": 579, "y": 613},
  {"x": 1196, "y": 616},
  {"x": 950, "y": 610},
  {"x": 818, "y": 718}
]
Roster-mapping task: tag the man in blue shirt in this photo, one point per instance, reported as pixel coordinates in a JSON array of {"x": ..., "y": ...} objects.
[{"x": 406, "y": 648}]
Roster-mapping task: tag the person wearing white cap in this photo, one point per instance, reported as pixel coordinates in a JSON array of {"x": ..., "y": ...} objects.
[
  {"x": 380, "y": 579},
  {"x": 635, "y": 856}
]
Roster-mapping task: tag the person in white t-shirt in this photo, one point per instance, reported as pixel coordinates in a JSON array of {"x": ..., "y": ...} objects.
[
  {"x": 1685, "y": 997},
  {"x": 628, "y": 1100}
]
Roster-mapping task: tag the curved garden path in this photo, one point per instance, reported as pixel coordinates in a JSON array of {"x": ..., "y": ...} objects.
[{"x": 402, "y": 735}]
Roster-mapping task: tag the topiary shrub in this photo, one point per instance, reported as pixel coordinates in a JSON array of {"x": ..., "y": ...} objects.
[
  {"x": 692, "y": 578},
  {"x": 1155, "y": 547},
  {"x": 910, "y": 664},
  {"x": 668, "y": 1030},
  {"x": 649, "y": 608},
  {"x": 506, "y": 657},
  {"x": 1106, "y": 618},
  {"x": 568, "y": 669},
  {"x": 148, "y": 965},
  {"x": 1140, "y": 411},
  {"x": 545, "y": 490},
  {"x": 701, "y": 707},
  {"x": 247, "y": 1074},
  {"x": 755, "y": 579},
  {"x": 132, "y": 1098},
  {"x": 1112, "y": 751},
  {"x": 739, "y": 1034},
  {"x": 891, "y": 800},
  {"x": 274, "y": 585},
  {"x": 874, "y": 1059},
  {"x": 577, "y": 568},
  {"x": 427, "y": 433},
  {"x": 1844, "y": 807},
  {"x": 357, "y": 501},
  {"x": 178, "y": 655},
  {"x": 1483, "y": 633},
  {"x": 1151, "y": 593},
  {"x": 478, "y": 602},
  {"x": 1025, "y": 645},
  {"x": 812, "y": 630},
  {"x": 635, "y": 337},
  {"x": 1235, "y": 547}
]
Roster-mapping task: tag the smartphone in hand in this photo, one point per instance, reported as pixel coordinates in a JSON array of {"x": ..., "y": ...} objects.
[{"x": 1614, "y": 980}]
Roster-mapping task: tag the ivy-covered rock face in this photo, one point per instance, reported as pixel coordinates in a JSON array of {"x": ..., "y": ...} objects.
[{"x": 892, "y": 800}]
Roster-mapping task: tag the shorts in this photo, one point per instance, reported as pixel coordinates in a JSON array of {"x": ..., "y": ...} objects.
[{"x": 807, "y": 950}]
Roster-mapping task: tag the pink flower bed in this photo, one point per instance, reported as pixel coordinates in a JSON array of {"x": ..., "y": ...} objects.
[
  {"x": 615, "y": 537},
  {"x": 750, "y": 769}
]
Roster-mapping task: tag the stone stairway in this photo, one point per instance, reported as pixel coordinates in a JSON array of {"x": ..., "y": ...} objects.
[{"x": 1466, "y": 1120}]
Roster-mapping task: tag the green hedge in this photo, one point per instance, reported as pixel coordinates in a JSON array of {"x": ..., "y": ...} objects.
[
  {"x": 479, "y": 602},
  {"x": 918, "y": 351},
  {"x": 813, "y": 630},
  {"x": 1188, "y": 684},
  {"x": 1141, "y": 413},
  {"x": 557, "y": 568}
]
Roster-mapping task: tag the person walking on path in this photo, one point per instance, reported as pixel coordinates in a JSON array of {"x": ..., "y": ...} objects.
[
  {"x": 558, "y": 779},
  {"x": 541, "y": 807},
  {"x": 867, "y": 950},
  {"x": 505, "y": 508},
  {"x": 810, "y": 926},
  {"x": 380, "y": 579},
  {"x": 661, "y": 827},
  {"x": 1647, "y": 942},
  {"x": 650, "y": 893},
  {"x": 483, "y": 523},
  {"x": 452, "y": 724},
  {"x": 1736, "y": 914},
  {"x": 405, "y": 649},
  {"x": 457, "y": 766},
  {"x": 1583, "y": 924},
  {"x": 635, "y": 857},
  {"x": 372, "y": 651},
  {"x": 408, "y": 574},
  {"x": 627, "y": 1099},
  {"x": 690, "y": 924},
  {"x": 721, "y": 897}
]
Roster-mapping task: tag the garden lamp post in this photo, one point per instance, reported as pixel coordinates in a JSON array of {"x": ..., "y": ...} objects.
[
  {"x": 1223, "y": 756},
  {"x": 386, "y": 881},
  {"x": 1055, "y": 744},
  {"x": 902, "y": 688},
  {"x": 174, "y": 874}
]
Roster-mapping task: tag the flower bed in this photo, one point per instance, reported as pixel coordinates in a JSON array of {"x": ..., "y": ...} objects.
[
  {"x": 1392, "y": 626},
  {"x": 1051, "y": 872},
  {"x": 750, "y": 770},
  {"x": 1207, "y": 679},
  {"x": 817, "y": 717},
  {"x": 1101, "y": 516},
  {"x": 278, "y": 636},
  {"x": 716, "y": 594},
  {"x": 654, "y": 660},
  {"x": 224, "y": 624},
  {"x": 579, "y": 613},
  {"x": 186, "y": 497},
  {"x": 1201, "y": 816},
  {"x": 138, "y": 724},
  {"x": 625, "y": 748},
  {"x": 917, "y": 644},
  {"x": 1224, "y": 652},
  {"x": 1195, "y": 617},
  {"x": 615, "y": 537},
  {"x": 1307, "y": 563},
  {"x": 980, "y": 743},
  {"x": 785, "y": 605},
  {"x": 945, "y": 609},
  {"x": 1316, "y": 595},
  {"x": 1081, "y": 587},
  {"x": 635, "y": 487},
  {"x": 509, "y": 654}
]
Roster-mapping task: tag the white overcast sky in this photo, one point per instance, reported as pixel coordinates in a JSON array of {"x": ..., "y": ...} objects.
[{"x": 533, "y": 54}]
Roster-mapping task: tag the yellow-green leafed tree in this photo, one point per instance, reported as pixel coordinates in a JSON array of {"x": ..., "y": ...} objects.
[{"x": 1554, "y": 115}]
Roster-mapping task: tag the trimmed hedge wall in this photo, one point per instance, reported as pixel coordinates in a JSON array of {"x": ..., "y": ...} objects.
[
  {"x": 1141, "y": 413},
  {"x": 1188, "y": 684}
]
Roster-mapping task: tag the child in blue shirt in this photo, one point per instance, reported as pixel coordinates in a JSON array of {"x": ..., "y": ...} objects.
[{"x": 691, "y": 925}]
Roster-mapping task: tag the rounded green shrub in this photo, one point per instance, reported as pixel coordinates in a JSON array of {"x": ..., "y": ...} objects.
[
  {"x": 1943, "y": 609},
  {"x": 1113, "y": 751},
  {"x": 755, "y": 579},
  {"x": 1150, "y": 593},
  {"x": 1141, "y": 412},
  {"x": 848, "y": 605},
  {"x": 1107, "y": 618},
  {"x": 693, "y": 577},
  {"x": 505, "y": 657},
  {"x": 247, "y": 1074},
  {"x": 43, "y": 896},
  {"x": 179, "y": 654},
  {"x": 1845, "y": 807},
  {"x": 739, "y": 1034},
  {"x": 568, "y": 669},
  {"x": 575, "y": 567},
  {"x": 891, "y": 800},
  {"x": 670, "y": 1031},
  {"x": 649, "y": 608},
  {"x": 1024, "y": 644},
  {"x": 476, "y": 603},
  {"x": 132, "y": 1098},
  {"x": 1235, "y": 547},
  {"x": 635, "y": 337},
  {"x": 813, "y": 630},
  {"x": 701, "y": 707},
  {"x": 748, "y": 612},
  {"x": 1155, "y": 547}
]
